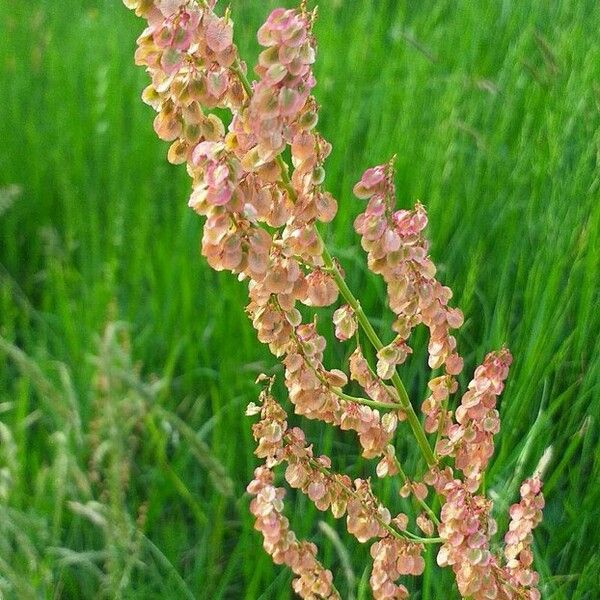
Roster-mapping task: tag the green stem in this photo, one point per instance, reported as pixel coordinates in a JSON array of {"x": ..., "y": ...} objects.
[
  {"x": 365, "y": 401},
  {"x": 443, "y": 415},
  {"x": 354, "y": 304},
  {"x": 336, "y": 390},
  {"x": 236, "y": 68},
  {"x": 364, "y": 322},
  {"x": 405, "y": 535}
]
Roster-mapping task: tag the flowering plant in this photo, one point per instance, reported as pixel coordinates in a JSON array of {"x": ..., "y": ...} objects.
[{"x": 261, "y": 216}]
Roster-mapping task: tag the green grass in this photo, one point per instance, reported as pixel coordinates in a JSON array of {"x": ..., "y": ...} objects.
[{"x": 125, "y": 363}]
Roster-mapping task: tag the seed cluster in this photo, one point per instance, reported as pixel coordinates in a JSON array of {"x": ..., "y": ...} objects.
[{"x": 260, "y": 219}]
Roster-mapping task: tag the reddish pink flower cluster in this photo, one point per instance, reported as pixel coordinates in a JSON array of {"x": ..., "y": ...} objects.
[
  {"x": 398, "y": 251},
  {"x": 524, "y": 517},
  {"x": 365, "y": 516},
  {"x": 471, "y": 439},
  {"x": 306, "y": 378},
  {"x": 417, "y": 488},
  {"x": 236, "y": 199},
  {"x": 277, "y": 443},
  {"x": 313, "y": 580},
  {"x": 344, "y": 322},
  {"x": 310, "y": 389},
  {"x": 188, "y": 52},
  {"x": 393, "y": 557},
  {"x": 269, "y": 431},
  {"x": 387, "y": 466},
  {"x": 282, "y": 112},
  {"x": 437, "y": 419},
  {"x": 466, "y": 527},
  {"x": 425, "y": 524},
  {"x": 285, "y": 83},
  {"x": 309, "y": 151}
]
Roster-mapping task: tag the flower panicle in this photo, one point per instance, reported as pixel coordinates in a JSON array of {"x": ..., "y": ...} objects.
[
  {"x": 471, "y": 439},
  {"x": 366, "y": 518},
  {"x": 466, "y": 527},
  {"x": 260, "y": 218},
  {"x": 312, "y": 579},
  {"x": 398, "y": 251},
  {"x": 524, "y": 517}
]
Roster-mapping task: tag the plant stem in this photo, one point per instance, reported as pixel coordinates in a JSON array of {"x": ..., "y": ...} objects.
[{"x": 236, "y": 68}]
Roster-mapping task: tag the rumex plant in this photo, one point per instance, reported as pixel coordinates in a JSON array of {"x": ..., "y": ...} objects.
[{"x": 260, "y": 224}]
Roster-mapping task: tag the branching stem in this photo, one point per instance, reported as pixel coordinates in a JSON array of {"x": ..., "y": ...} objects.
[{"x": 405, "y": 535}]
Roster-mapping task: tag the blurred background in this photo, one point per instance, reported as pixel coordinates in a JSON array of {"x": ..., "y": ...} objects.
[{"x": 126, "y": 364}]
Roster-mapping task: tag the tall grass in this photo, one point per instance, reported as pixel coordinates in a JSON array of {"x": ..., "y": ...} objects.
[{"x": 126, "y": 363}]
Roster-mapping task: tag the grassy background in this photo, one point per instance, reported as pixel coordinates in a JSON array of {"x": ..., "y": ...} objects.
[{"x": 125, "y": 363}]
